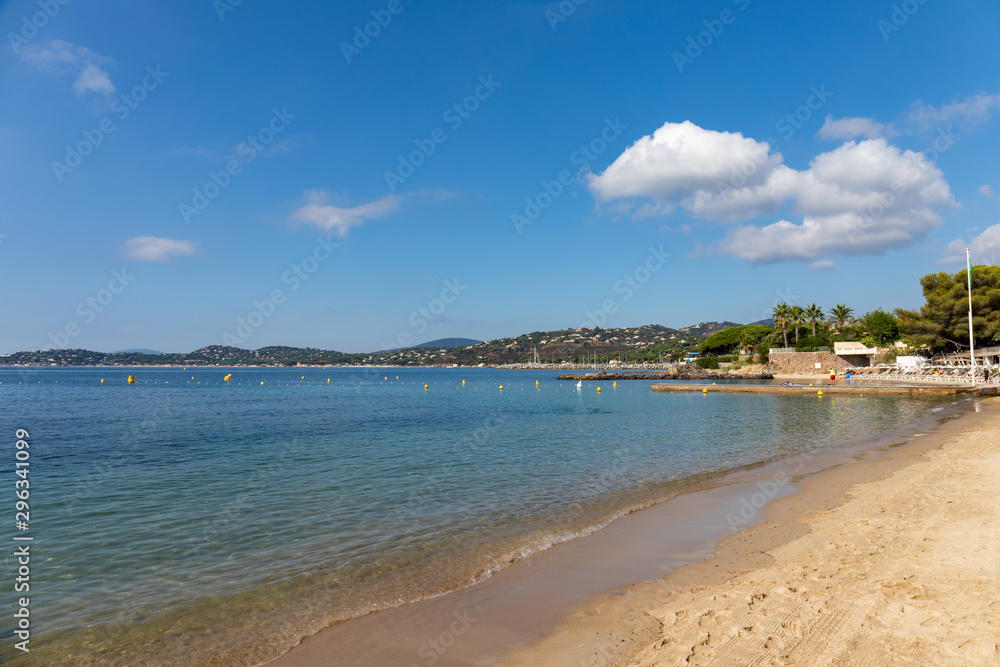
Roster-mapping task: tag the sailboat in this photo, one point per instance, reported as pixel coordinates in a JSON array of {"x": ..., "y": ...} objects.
[{"x": 579, "y": 385}]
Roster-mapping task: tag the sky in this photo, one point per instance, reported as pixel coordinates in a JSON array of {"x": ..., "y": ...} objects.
[{"x": 369, "y": 175}]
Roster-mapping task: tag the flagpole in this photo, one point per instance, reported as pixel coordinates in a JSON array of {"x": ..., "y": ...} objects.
[{"x": 972, "y": 350}]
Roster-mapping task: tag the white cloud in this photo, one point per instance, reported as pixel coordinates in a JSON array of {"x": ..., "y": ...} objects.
[
  {"x": 861, "y": 198},
  {"x": 973, "y": 110},
  {"x": 329, "y": 218},
  {"x": 155, "y": 249},
  {"x": 850, "y": 128},
  {"x": 983, "y": 249},
  {"x": 65, "y": 58},
  {"x": 681, "y": 158},
  {"x": 986, "y": 191},
  {"x": 823, "y": 265}
]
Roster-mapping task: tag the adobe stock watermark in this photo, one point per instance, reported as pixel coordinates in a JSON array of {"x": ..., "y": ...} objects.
[
  {"x": 627, "y": 287},
  {"x": 89, "y": 308},
  {"x": 868, "y": 215},
  {"x": 899, "y": 16},
  {"x": 582, "y": 157},
  {"x": 223, "y": 7},
  {"x": 248, "y": 150},
  {"x": 454, "y": 116},
  {"x": 122, "y": 107},
  {"x": 697, "y": 44},
  {"x": 294, "y": 277},
  {"x": 38, "y": 20},
  {"x": 767, "y": 490},
  {"x": 562, "y": 12},
  {"x": 363, "y": 36},
  {"x": 787, "y": 125},
  {"x": 421, "y": 318},
  {"x": 432, "y": 649}
]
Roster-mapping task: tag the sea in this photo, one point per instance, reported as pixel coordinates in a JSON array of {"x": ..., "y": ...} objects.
[{"x": 190, "y": 519}]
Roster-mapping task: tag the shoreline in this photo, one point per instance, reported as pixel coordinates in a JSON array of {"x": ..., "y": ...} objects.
[
  {"x": 879, "y": 561},
  {"x": 501, "y": 604}
]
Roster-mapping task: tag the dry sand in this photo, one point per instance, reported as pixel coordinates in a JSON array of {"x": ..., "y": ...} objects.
[{"x": 891, "y": 561}]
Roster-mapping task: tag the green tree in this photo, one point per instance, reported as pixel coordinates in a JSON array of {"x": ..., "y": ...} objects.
[
  {"x": 942, "y": 323},
  {"x": 781, "y": 317},
  {"x": 840, "y": 315},
  {"x": 814, "y": 313},
  {"x": 797, "y": 316},
  {"x": 881, "y": 326}
]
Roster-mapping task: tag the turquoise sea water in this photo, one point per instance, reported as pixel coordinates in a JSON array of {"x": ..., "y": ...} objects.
[{"x": 188, "y": 520}]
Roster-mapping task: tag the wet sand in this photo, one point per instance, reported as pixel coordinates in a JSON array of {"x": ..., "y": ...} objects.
[{"x": 891, "y": 561}]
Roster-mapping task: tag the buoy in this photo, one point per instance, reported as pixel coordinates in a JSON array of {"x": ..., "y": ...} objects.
[
  {"x": 425, "y": 386},
  {"x": 262, "y": 383},
  {"x": 102, "y": 380},
  {"x": 228, "y": 378},
  {"x": 463, "y": 383},
  {"x": 328, "y": 380},
  {"x": 303, "y": 377},
  {"x": 397, "y": 377},
  {"x": 131, "y": 380},
  {"x": 704, "y": 391},
  {"x": 713, "y": 384},
  {"x": 614, "y": 385},
  {"x": 501, "y": 387},
  {"x": 386, "y": 377},
  {"x": 819, "y": 393},
  {"x": 598, "y": 390}
]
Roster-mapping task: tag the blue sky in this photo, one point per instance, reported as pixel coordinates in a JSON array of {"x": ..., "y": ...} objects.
[{"x": 185, "y": 174}]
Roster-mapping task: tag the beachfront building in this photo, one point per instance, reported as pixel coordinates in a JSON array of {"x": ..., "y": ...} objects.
[{"x": 844, "y": 355}]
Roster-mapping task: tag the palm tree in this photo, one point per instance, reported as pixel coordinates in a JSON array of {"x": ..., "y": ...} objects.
[
  {"x": 780, "y": 317},
  {"x": 813, "y": 313},
  {"x": 841, "y": 315},
  {"x": 797, "y": 316}
]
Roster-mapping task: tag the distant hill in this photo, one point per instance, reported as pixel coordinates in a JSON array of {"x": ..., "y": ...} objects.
[
  {"x": 136, "y": 351},
  {"x": 768, "y": 322},
  {"x": 651, "y": 342},
  {"x": 448, "y": 343}
]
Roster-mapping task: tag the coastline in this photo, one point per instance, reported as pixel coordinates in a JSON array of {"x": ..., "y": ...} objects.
[
  {"x": 515, "y": 619},
  {"x": 891, "y": 559}
]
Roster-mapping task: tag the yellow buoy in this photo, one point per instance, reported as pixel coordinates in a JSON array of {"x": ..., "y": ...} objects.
[
  {"x": 131, "y": 380},
  {"x": 713, "y": 384},
  {"x": 463, "y": 383},
  {"x": 819, "y": 393},
  {"x": 425, "y": 386},
  {"x": 386, "y": 377},
  {"x": 501, "y": 387},
  {"x": 227, "y": 378},
  {"x": 262, "y": 383},
  {"x": 536, "y": 383},
  {"x": 704, "y": 391},
  {"x": 614, "y": 385},
  {"x": 303, "y": 377},
  {"x": 397, "y": 377},
  {"x": 102, "y": 380},
  {"x": 598, "y": 390},
  {"x": 328, "y": 380}
]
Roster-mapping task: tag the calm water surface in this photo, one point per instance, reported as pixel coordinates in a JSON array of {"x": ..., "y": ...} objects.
[{"x": 188, "y": 520}]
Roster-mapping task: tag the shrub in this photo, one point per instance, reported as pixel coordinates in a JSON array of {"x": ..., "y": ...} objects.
[
  {"x": 708, "y": 363},
  {"x": 810, "y": 343}
]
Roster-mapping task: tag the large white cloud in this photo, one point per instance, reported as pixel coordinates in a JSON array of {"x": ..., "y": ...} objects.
[
  {"x": 863, "y": 197},
  {"x": 61, "y": 57},
  {"x": 333, "y": 218}
]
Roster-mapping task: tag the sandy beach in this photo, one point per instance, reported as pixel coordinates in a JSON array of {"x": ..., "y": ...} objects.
[{"x": 893, "y": 560}]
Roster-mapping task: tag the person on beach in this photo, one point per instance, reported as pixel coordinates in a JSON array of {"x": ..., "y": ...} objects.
[
  {"x": 986, "y": 375},
  {"x": 833, "y": 375}
]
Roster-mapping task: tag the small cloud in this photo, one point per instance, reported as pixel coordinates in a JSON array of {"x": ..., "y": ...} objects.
[
  {"x": 983, "y": 249},
  {"x": 973, "y": 110},
  {"x": 823, "y": 265},
  {"x": 65, "y": 58},
  {"x": 850, "y": 128},
  {"x": 329, "y": 217},
  {"x": 986, "y": 191},
  {"x": 155, "y": 249}
]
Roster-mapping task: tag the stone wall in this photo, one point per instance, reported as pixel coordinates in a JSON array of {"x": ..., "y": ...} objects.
[{"x": 805, "y": 362}]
